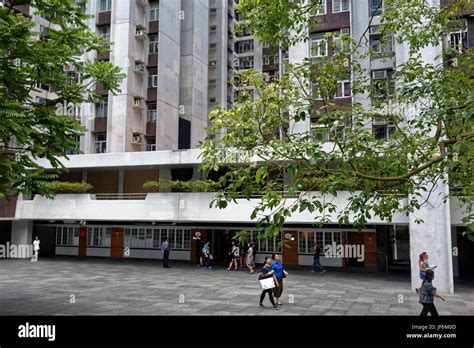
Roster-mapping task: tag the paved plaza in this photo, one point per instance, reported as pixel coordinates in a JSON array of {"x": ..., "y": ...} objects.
[{"x": 69, "y": 286}]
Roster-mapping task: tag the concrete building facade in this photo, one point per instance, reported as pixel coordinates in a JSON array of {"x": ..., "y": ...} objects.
[{"x": 179, "y": 57}]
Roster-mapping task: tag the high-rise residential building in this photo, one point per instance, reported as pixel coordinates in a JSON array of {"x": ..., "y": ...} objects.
[{"x": 179, "y": 57}]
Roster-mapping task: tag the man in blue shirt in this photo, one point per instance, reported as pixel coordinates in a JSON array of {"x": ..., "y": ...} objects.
[
  {"x": 165, "y": 247},
  {"x": 280, "y": 273}
]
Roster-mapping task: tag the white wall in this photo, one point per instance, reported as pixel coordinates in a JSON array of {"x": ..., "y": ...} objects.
[
  {"x": 70, "y": 251},
  {"x": 307, "y": 260},
  {"x": 157, "y": 254},
  {"x": 102, "y": 252},
  {"x": 163, "y": 206}
]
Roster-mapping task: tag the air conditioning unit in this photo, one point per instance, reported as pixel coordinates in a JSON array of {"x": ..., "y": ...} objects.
[
  {"x": 377, "y": 121},
  {"x": 374, "y": 30},
  {"x": 141, "y": 34},
  {"x": 137, "y": 103},
  {"x": 136, "y": 139},
  {"x": 140, "y": 67},
  {"x": 213, "y": 46},
  {"x": 69, "y": 67},
  {"x": 379, "y": 74}
]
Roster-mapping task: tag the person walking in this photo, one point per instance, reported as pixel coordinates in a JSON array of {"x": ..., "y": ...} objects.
[
  {"x": 207, "y": 255},
  {"x": 266, "y": 272},
  {"x": 280, "y": 273},
  {"x": 243, "y": 254},
  {"x": 316, "y": 256},
  {"x": 424, "y": 266},
  {"x": 165, "y": 248},
  {"x": 36, "y": 249},
  {"x": 250, "y": 261},
  {"x": 234, "y": 255},
  {"x": 427, "y": 294}
]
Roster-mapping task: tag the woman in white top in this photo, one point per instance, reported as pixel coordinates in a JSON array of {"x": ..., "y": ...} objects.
[
  {"x": 36, "y": 248},
  {"x": 250, "y": 258}
]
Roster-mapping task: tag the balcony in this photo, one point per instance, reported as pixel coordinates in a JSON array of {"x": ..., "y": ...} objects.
[{"x": 163, "y": 206}]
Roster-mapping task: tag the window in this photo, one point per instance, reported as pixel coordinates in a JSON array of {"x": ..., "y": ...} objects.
[
  {"x": 340, "y": 6},
  {"x": 82, "y": 7},
  {"x": 101, "y": 109},
  {"x": 316, "y": 91},
  {"x": 340, "y": 44},
  {"x": 266, "y": 60},
  {"x": 383, "y": 85},
  {"x": 276, "y": 59},
  {"x": 306, "y": 240},
  {"x": 104, "y": 31},
  {"x": 152, "y": 113},
  {"x": 152, "y": 78},
  {"x": 41, "y": 101},
  {"x": 319, "y": 134},
  {"x": 151, "y": 144},
  {"x": 383, "y": 131},
  {"x": 105, "y": 5},
  {"x": 267, "y": 246},
  {"x": 67, "y": 235},
  {"x": 318, "y": 46},
  {"x": 375, "y": 7},
  {"x": 246, "y": 62},
  {"x": 152, "y": 237},
  {"x": 244, "y": 46},
  {"x": 153, "y": 44},
  {"x": 457, "y": 39},
  {"x": 343, "y": 89},
  {"x": 98, "y": 236},
  {"x": 154, "y": 11},
  {"x": 43, "y": 86},
  {"x": 320, "y": 9},
  {"x": 100, "y": 142},
  {"x": 379, "y": 43}
]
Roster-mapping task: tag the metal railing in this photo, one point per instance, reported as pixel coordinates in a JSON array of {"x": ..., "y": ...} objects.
[{"x": 118, "y": 196}]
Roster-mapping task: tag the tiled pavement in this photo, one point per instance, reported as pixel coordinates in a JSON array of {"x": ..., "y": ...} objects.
[{"x": 139, "y": 287}]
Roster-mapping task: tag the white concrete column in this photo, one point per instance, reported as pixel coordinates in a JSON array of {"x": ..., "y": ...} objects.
[
  {"x": 22, "y": 232},
  {"x": 434, "y": 237},
  {"x": 298, "y": 54}
]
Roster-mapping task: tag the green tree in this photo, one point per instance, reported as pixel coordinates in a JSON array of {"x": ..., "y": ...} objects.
[
  {"x": 428, "y": 103},
  {"x": 32, "y": 128}
]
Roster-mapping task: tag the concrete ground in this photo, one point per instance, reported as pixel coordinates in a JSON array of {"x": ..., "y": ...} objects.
[{"x": 69, "y": 286}]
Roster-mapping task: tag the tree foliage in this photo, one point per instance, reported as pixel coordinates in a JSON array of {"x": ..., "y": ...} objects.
[
  {"x": 32, "y": 57},
  {"x": 428, "y": 103}
]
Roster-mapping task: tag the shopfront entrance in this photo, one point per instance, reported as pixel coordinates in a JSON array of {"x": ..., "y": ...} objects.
[{"x": 465, "y": 254}]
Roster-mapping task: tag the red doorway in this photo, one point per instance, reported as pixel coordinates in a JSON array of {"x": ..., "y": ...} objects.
[{"x": 116, "y": 243}]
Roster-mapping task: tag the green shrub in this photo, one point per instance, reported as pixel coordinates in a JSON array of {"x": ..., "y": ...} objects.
[
  {"x": 68, "y": 187},
  {"x": 181, "y": 186}
]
